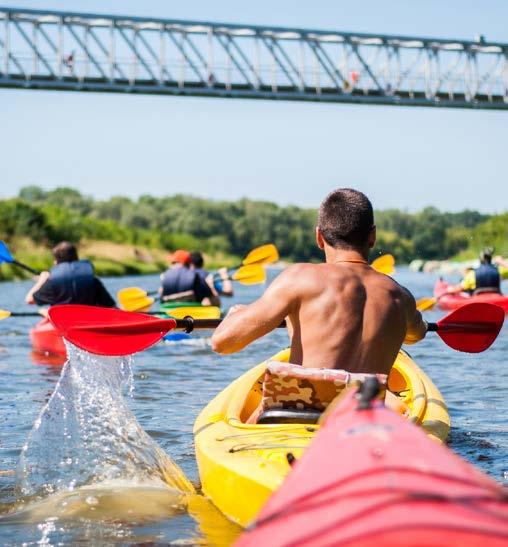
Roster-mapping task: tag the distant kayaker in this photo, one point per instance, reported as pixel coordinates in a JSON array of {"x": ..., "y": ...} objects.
[
  {"x": 484, "y": 279},
  {"x": 341, "y": 314},
  {"x": 221, "y": 285},
  {"x": 182, "y": 283},
  {"x": 70, "y": 281}
]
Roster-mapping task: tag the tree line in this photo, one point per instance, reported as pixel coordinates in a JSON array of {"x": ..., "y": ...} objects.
[{"x": 235, "y": 227}]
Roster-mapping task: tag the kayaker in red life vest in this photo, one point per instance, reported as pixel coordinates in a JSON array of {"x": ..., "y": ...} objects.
[
  {"x": 181, "y": 283},
  {"x": 221, "y": 286},
  {"x": 70, "y": 281},
  {"x": 484, "y": 279},
  {"x": 341, "y": 314}
]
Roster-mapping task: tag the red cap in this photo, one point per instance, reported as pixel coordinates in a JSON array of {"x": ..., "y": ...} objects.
[{"x": 180, "y": 256}]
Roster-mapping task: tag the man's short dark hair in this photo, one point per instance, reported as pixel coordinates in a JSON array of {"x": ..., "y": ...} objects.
[
  {"x": 346, "y": 218},
  {"x": 196, "y": 258},
  {"x": 65, "y": 252}
]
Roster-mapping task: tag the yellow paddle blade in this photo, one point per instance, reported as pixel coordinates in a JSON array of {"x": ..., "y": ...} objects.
[
  {"x": 250, "y": 275},
  {"x": 4, "y": 314},
  {"x": 265, "y": 254},
  {"x": 196, "y": 312},
  {"x": 425, "y": 304},
  {"x": 384, "y": 264},
  {"x": 134, "y": 299}
]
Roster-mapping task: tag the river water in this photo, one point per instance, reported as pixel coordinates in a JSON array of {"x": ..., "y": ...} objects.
[{"x": 170, "y": 385}]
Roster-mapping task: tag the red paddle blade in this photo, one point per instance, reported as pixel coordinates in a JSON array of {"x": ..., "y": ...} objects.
[
  {"x": 108, "y": 331},
  {"x": 471, "y": 328}
]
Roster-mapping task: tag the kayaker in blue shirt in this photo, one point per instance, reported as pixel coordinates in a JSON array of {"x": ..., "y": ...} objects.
[
  {"x": 70, "y": 281},
  {"x": 220, "y": 286},
  {"x": 181, "y": 283}
]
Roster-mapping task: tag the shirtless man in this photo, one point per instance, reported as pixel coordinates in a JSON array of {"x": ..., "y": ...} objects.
[{"x": 341, "y": 314}]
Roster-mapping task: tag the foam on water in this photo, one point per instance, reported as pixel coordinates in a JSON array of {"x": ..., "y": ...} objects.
[{"x": 86, "y": 433}]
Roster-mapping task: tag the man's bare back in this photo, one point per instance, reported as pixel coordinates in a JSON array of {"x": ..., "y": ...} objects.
[
  {"x": 349, "y": 317},
  {"x": 341, "y": 314}
]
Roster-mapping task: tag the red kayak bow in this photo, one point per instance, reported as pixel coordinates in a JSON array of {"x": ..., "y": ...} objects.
[
  {"x": 108, "y": 331},
  {"x": 372, "y": 479}
]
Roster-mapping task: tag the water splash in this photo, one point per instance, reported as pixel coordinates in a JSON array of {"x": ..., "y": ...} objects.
[{"x": 86, "y": 433}]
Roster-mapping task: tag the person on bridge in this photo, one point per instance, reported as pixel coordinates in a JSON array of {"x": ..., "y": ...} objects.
[
  {"x": 220, "y": 286},
  {"x": 341, "y": 314},
  {"x": 70, "y": 281},
  {"x": 182, "y": 283},
  {"x": 486, "y": 278}
]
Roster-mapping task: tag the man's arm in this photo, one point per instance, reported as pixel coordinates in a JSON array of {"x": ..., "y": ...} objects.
[
  {"x": 244, "y": 324},
  {"x": 416, "y": 325},
  {"x": 31, "y": 297}
]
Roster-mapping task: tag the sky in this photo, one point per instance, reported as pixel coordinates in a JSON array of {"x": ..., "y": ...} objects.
[{"x": 290, "y": 153}]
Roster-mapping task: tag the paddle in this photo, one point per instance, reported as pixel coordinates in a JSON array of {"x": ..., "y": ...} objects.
[
  {"x": 265, "y": 254},
  {"x": 198, "y": 312},
  {"x": 384, "y": 264},
  {"x": 471, "y": 328},
  {"x": 136, "y": 299},
  {"x": 4, "y": 314},
  {"x": 426, "y": 304},
  {"x": 251, "y": 274},
  {"x": 108, "y": 331},
  {"x": 6, "y": 256}
]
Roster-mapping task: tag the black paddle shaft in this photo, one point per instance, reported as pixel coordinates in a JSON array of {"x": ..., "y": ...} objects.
[
  {"x": 188, "y": 324},
  {"x": 25, "y": 267}
]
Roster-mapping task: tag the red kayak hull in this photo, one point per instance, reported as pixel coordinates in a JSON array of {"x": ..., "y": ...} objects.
[
  {"x": 454, "y": 301},
  {"x": 370, "y": 478},
  {"x": 46, "y": 340}
]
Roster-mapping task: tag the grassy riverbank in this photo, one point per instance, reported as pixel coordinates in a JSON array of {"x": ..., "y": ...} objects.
[{"x": 125, "y": 236}]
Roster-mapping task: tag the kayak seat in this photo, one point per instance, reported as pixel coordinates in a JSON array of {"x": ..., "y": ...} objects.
[
  {"x": 289, "y": 390},
  {"x": 289, "y": 416}
]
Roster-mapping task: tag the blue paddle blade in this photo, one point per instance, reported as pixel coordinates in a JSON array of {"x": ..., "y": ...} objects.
[
  {"x": 176, "y": 336},
  {"x": 5, "y": 255}
]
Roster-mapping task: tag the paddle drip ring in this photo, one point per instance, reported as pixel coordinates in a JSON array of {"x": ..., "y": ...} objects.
[{"x": 189, "y": 324}]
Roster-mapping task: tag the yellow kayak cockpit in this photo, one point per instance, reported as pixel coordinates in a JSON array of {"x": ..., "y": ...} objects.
[{"x": 241, "y": 464}]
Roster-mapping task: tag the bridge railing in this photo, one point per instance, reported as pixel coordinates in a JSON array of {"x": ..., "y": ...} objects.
[{"x": 90, "y": 52}]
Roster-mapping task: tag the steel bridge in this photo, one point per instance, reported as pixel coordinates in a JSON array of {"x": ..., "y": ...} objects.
[{"x": 113, "y": 53}]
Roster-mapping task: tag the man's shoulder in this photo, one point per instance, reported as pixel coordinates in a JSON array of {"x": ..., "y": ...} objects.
[
  {"x": 395, "y": 288},
  {"x": 301, "y": 268}
]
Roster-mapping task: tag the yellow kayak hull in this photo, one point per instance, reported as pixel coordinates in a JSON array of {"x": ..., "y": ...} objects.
[{"x": 241, "y": 464}]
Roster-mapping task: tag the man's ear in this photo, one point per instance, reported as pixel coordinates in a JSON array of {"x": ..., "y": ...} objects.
[
  {"x": 319, "y": 239},
  {"x": 372, "y": 237}
]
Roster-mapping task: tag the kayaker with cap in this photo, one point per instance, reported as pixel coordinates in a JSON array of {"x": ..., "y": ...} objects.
[
  {"x": 484, "y": 279},
  {"x": 70, "y": 281},
  {"x": 181, "y": 283},
  {"x": 220, "y": 285},
  {"x": 341, "y": 314}
]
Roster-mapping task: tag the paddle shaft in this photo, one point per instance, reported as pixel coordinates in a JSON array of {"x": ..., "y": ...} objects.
[
  {"x": 461, "y": 327},
  {"x": 25, "y": 314},
  {"x": 188, "y": 324},
  {"x": 25, "y": 267}
]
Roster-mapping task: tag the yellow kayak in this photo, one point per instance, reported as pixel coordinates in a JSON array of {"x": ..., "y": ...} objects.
[{"x": 241, "y": 464}]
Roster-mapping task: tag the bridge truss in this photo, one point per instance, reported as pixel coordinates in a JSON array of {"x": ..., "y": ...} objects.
[{"x": 111, "y": 53}]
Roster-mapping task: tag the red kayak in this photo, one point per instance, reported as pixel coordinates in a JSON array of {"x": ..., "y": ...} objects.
[
  {"x": 372, "y": 479},
  {"x": 46, "y": 340},
  {"x": 454, "y": 301}
]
